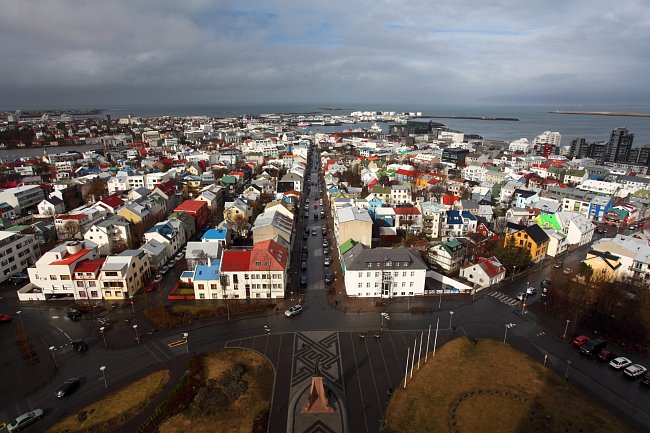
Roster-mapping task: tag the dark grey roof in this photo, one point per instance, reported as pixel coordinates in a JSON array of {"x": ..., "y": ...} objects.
[{"x": 359, "y": 258}]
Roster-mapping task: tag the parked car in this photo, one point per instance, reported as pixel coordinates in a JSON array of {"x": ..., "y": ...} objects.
[
  {"x": 79, "y": 345},
  {"x": 150, "y": 288},
  {"x": 632, "y": 227},
  {"x": 620, "y": 362},
  {"x": 180, "y": 256},
  {"x": 315, "y": 216},
  {"x": 303, "y": 266},
  {"x": 329, "y": 276},
  {"x": 4, "y": 318},
  {"x": 327, "y": 261},
  {"x": 303, "y": 256},
  {"x": 558, "y": 265},
  {"x": 313, "y": 232},
  {"x": 605, "y": 356},
  {"x": 296, "y": 309},
  {"x": 164, "y": 270},
  {"x": 546, "y": 283},
  {"x": 593, "y": 347},
  {"x": 645, "y": 379},
  {"x": 158, "y": 278},
  {"x": 521, "y": 296},
  {"x": 74, "y": 315},
  {"x": 635, "y": 370},
  {"x": 326, "y": 243},
  {"x": 305, "y": 236},
  {"x": 24, "y": 420},
  {"x": 531, "y": 291},
  {"x": 580, "y": 341},
  {"x": 601, "y": 230},
  {"x": 68, "y": 387},
  {"x": 303, "y": 280}
]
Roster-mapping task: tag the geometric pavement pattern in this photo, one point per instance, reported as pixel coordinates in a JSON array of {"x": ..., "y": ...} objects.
[{"x": 308, "y": 350}]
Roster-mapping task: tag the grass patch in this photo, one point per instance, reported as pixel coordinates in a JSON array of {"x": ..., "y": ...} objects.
[
  {"x": 251, "y": 403},
  {"x": 491, "y": 387},
  {"x": 115, "y": 409}
]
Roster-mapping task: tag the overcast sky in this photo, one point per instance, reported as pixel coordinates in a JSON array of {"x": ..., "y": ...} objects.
[{"x": 99, "y": 52}]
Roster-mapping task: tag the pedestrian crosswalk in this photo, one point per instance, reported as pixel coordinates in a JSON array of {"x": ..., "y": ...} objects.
[
  {"x": 539, "y": 334},
  {"x": 504, "y": 299}
]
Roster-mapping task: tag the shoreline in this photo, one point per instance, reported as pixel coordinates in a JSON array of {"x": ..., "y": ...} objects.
[
  {"x": 432, "y": 116},
  {"x": 602, "y": 113}
]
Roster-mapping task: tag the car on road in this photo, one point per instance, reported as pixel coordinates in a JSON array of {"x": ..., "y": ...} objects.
[
  {"x": 313, "y": 232},
  {"x": 601, "y": 230},
  {"x": 322, "y": 214},
  {"x": 635, "y": 370},
  {"x": 326, "y": 243},
  {"x": 315, "y": 216},
  {"x": 521, "y": 296},
  {"x": 324, "y": 231},
  {"x": 645, "y": 379},
  {"x": 158, "y": 278},
  {"x": 558, "y": 265},
  {"x": 546, "y": 282},
  {"x": 620, "y": 362},
  {"x": 327, "y": 261},
  {"x": 531, "y": 291},
  {"x": 303, "y": 280},
  {"x": 567, "y": 271},
  {"x": 580, "y": 341},
  {"x": 74, "y": 315},
  {"x": 605, "y": 356},
  {"x": 593, "y": 347},
  {"x": 293, "y": 311},
  {"x": 305, "y": 236},
  {"x": 315, "y": 206},
  {"x": 164, "y": 270},
  {"x": 307, "y": 200},
  {"x": 632, "y": 227},
  {"x": 4, "y": 318},
  {"x": 67, "y": 387},
  {"x": 24, "y": 420},
  {"x": 79, "y": 345},
  {"x": 303, "y": 265}
]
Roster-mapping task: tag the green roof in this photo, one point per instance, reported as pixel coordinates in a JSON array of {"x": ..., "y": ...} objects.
[
  {"x": 453, "y": 243},
  {"x": 555, "y": 170},
  {"x": 575, "y": 173},
  {"x": 228, "y": 179},
  {"x": 347, "y": 246},
  {"x": 548, "y": 221}
]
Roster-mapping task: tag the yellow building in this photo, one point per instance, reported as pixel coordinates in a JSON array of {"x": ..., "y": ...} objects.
[
  {"x": 605, "y": 266},
  {"x": 532, "y": 239}
]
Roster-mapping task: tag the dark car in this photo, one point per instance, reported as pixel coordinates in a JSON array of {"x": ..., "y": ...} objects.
[
  {"x": 645, "y": 379},
  {"x": 303, "y": 266},
  {"x": 601, "y": 230},
  {"x": 605, "y": 356},
  {"x": 304, "y": 236},
  {"x": 303, "y": 256},
  {"x": 329, "y": 276},
  {"x": 546, "y": 283},
  {"x": 303, "y": 280},
  {"x": 74, "y": 315},
  {"x": 80, "y": 345},
  {"x": 593, "y": 347},
  {"x": 68, "y": 387}
]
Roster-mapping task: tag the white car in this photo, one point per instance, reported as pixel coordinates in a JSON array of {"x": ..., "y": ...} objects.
[
  {"x": 521, "y": 296},
  {"x": 635, "y": 370},
  {"x": 164, "y": 270},
  {"x": 620, "y": 362},
  {"x": 296, "y": 309},
  {"x": 327, "y": 261},
  {"x": 24, "y": 420},
  {"x": 157, "y": 278},
  {"x": 531, "y": 291}
]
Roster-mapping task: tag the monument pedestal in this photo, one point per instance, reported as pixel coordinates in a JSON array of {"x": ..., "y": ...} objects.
[{"x": 317, "y": 401}]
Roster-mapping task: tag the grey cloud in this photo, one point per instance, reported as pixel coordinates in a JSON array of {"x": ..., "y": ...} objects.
[{"x": 105, "y": 52}]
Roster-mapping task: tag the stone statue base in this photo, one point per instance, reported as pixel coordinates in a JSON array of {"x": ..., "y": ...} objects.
[{"x": 317, "y": 401}]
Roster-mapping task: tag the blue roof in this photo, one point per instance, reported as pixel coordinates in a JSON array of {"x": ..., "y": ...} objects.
[
  {"x": 215, "y": 234},
  {"x": 467, "y": 214},
  {"x": 163, "y": 229},
  {"x": 207, "y": 273},
  {"x": 453, "y": 217}
]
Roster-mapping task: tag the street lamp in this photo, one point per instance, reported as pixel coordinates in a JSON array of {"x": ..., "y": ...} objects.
[
  {"x": 103, "y": 369},
  {"x": 566, "y": 372},
  {"x": 451, "y": 315},
  {"x": 508, "y": 326},
  {"x": 20, "y": 318},
  {"x": 101, "y": 330},
  {"x": 54, "y": 356},
  {"x": 566, "y": 328},
  {"x": 187, "y": 342},
  {"x": 137, "y": 336}
]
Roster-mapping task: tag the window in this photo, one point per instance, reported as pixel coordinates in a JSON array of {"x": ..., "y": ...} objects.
[
  {"x": 53, "y": 277},
  {"x": 404, "y": 273},
  {"x": 360, "y": 285},
  {"x": 92, "y": 284},
  {"x": 413, "y": 273},
  {"x": 411, "y": 284},
  {"x": 80, "y": 283},
  {"x": 201, "y": 287}
]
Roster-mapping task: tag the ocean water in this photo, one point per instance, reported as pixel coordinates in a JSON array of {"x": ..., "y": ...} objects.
[{"x": 532, "y": 119}]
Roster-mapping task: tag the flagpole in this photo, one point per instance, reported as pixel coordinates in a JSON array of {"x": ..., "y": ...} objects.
[
  {"x": 426, "y": 353},
  {"x": 435, "y": 341}
]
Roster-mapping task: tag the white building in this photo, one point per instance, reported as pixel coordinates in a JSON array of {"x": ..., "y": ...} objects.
[
  {"x": 125, "y": 274},
  {"x": 484, "y": 273},
  {"x": 383, "y": 272},
  {"x": 22, "y": 197},
  {"x": 17, "y": 253},
  {"x": 548, "y": 137},
  {"x": 109, "y": 234}
]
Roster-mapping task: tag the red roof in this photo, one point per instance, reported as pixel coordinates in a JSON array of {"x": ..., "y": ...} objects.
[
  {"x": 372, "y": 183},
  {"x": 71, "y": 258},
  {"x": 190, "y": 206},
  {"x": 490, "y": 267},
  {"x": 235, "y": 261},
  {"x": 406, "y": 211},
  {"x": 112, "y": 201},
  {"x": 449, "y": 200},
  {"x": 90, "y": 265},
  {"x": 77, "y": 216},
  {"x": 268, "y": 251},
  {"x": 405, "y": 172}
]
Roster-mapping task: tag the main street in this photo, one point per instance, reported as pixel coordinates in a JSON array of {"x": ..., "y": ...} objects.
[{"x": 362, "y": 371}]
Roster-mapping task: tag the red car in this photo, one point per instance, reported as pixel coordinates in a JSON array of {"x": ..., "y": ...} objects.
[
  {"x": 580, "y": 341},
  {"x": 4, "y": 318},
  {"x": 605, "y": 356}
]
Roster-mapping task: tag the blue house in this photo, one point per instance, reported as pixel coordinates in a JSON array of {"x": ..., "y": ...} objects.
[
  {"x": 599, "y": 206},
  {"x": 373, "y": 203}
]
